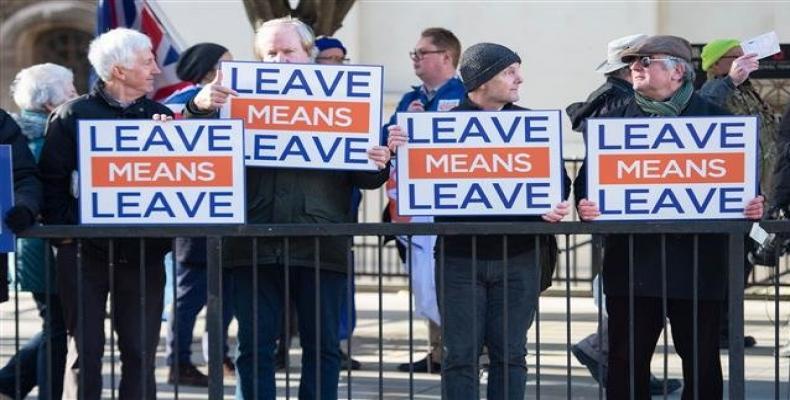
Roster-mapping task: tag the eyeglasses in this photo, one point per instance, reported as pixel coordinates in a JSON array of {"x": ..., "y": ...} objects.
[
  {"x": 419, "y": 54},
  {"x": 646, "y": 60},
  {"x": 334, "y": 59}
]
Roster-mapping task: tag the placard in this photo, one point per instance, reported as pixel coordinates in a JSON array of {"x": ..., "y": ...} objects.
[
  {"x": 306, "y": 115},
  {"x": 672, "y": 168},
  {"x": 150, "y": 172},
  {"x": 480, "y": 163},
  {"x": 7, "y": 239}
]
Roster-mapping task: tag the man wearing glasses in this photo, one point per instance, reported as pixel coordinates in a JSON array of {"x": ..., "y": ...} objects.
[
  {"x": 435, "y": 60},
  {"x": 662, "y": 76}
]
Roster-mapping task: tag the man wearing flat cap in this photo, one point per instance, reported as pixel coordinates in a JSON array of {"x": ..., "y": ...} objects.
[
  {"x": 614, "y": 93},
  {"x": 500, "y": 287},
  {"x": 662, "y": 77}
]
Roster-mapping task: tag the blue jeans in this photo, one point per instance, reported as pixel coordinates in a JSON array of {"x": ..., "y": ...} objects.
[
  {"x": 473, "y": 309},
  {"x": 270, "y": 300},
  {"x": 32, "y": 357},
  {"x": 191, "y": 294}
]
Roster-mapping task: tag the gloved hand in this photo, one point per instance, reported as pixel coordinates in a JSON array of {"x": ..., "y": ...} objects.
[{"x": 19, "y": 218}]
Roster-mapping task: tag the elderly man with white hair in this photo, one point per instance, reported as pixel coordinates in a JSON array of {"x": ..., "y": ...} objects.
[
  {"x": 126, "y": 67},
  {"x": 283, "y": 195},
  {"x": 38, "y": 90}
]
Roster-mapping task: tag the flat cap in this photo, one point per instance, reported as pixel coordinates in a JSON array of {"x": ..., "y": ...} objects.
[{"x": 660, "y": 44}]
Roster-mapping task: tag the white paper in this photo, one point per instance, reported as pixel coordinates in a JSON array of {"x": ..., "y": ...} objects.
[
  {"x": 764, "y": 45},
  {"x": 759, "y": 234}
]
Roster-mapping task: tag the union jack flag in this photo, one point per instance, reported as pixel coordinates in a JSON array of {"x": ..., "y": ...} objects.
[{"x": 139, "y": 15}]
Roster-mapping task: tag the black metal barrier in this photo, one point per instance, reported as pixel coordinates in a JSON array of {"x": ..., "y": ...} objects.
[{"x": 734, "y": 231}]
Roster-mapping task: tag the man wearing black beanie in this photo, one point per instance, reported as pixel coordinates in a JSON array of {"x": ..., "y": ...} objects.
[{"x": 500, "y": 287}]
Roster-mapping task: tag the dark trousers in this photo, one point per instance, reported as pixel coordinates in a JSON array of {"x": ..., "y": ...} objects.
[
  {"x": 648, "y": 323},
  {"x": 136, "y": 333},
  {"x": 318, "y": 305},
  {"x": 42, "y": 357},
  {"x": 494, "y": 306}
]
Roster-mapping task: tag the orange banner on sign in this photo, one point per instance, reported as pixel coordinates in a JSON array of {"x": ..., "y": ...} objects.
[
  {"x": 649, "y": 168},
  {"x": 162, "y": 171},
  {"x": 489, "y": 162},
  {"x": 302, "y": 115}
]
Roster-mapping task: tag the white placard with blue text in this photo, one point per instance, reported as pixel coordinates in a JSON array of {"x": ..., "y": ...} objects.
[
  {"x": 6, "y": 198},
  {"x": 480, "y": 163},
  {"x": 148, "y": 172},
  {"x": 306, "y": 115},
  {"x": 672, "y": 168}
]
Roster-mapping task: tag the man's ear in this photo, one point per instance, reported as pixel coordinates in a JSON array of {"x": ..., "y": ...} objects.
[{"x": 118, "y": 73}]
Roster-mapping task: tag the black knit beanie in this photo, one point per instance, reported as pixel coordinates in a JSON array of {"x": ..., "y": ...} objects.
[
  {"x": 198, "y": 60},
  {"x": 483, "y": 61}
]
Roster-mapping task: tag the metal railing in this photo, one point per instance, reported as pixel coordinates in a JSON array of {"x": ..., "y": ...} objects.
[{"x": 735, "y": 232}]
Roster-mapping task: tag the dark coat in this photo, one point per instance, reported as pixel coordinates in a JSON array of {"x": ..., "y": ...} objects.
[
  {"x": 613, "y": 94},
  {"x": 27, "y": 187},
  {"x": 59, "y": 158},
  {"x": 712, "y": 262},
  {"x": 781, "y": 178},
  {"x": 297, "y": 196},
  {"x": 490, "y": 247}
]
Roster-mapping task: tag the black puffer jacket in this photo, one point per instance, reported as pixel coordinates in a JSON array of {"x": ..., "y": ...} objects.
[
  {"x": 59, "y": 158},
  {"x": 27, "y": 187},
  {"x": 614, "y": 93},
  {"x": 647, "y": 248}
]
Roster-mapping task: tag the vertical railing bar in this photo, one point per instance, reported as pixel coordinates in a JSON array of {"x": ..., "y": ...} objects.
[
  {"x": 411, "y": 322},
  {"x": 214, "y": 316},
  {"x": 442, "y": 308},
  {"x": 48, "y": 317},
  {"x": 111, "y": 266},
  {"x": 317, "y": 261},
  {"x": 80, "y": 317},
  {"x": 255, "y": 338},
  {"x": 475, "y": 354},
  {"x": 350, "y": 258},
  {"x": 695, "y": 314},
  {"x": 777, "y": 256},
  {"x": 381, "y": 319},
  {"x": 143, "y": 338},
  {"x": 631, "y": 380},
  {"x": 506, "y": 358},
  {"x": 735, "y": 290},
  {"x": 568, "y": 318},
  {"x": 287, "y": 329},
  {"x": 664, "y": 311},
  {"x": 536, "y": 242},
  {"x": 174, "y": 322},
  {"x": 18, "y": 364},
  {"x": 596, "y": 244}
]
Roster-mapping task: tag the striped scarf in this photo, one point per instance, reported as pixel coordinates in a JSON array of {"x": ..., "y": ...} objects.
[{"x": 670, "y": 108}]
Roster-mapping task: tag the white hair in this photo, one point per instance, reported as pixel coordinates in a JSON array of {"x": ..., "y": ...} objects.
[
  {"x": 116, "y": 47},
  {"x": 40, "y": 85},
  {"x": 306, "y": 35}
]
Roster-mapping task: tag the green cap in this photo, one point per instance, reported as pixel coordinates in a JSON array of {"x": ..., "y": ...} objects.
[{"x": 713, "y": 51}]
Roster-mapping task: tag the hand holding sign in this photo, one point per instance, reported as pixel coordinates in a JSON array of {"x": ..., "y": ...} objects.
[
  {"x": 213, "y": 96},
  {"x": 588, "y": 210},
  {"x": 380, "y": 156},
  {"x": 397, "y": 137},
  {"x": 558, "y": 213},
  {"x": 754, "y": 208},
  {"x": 742, "y": 67}
]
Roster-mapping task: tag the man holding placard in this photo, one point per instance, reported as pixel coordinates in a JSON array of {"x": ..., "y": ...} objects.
[
  {"x": 278, "y": 107},
  {"x": 493, "y": 175},
  {"x": 670, "y": 168},
  {"x": 126, "y": 67}
]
